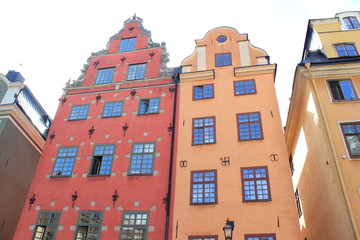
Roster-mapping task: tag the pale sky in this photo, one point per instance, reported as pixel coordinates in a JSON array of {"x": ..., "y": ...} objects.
[{"x": 49, "y": 41}]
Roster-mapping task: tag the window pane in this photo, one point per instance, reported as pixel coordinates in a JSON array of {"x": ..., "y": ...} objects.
[
  {"x": 203, "y": 131},
  {"x": 105, "y": 76},
  {"x": 203, "y": 187},
  {"x": 113, "y": 109},
  {"x": 136, "y": 72},
  {"x": 79, "y": 112},
  {"x": 249, "y": 126},
  {"x": 255, "y": 184},
  {"x": 142, "y": 158},
  {"x": 64, "y": 161}
]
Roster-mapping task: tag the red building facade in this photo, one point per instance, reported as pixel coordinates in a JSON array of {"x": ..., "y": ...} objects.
[{"x": 105, "y": 169}]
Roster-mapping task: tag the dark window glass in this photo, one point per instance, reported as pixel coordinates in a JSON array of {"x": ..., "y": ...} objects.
[
  {"x": 204, "y": 91},
  {"x": 113, "y": 109},
  {"x": 244, "y": 87},
  {"x": 298, "y": 204},
  {"x": 351, "y": 132},
  {"x": 79, "y": 112},
  {"x": 89, "y": 225},
  {"x": 203, "y": 130},
  {"x": 64, "y": 162},
  {"x": 136, "y": 72},
  {"x": 249, "y": 126},
  {"x": 203, "y": 187},
  {"x": 102, "y": 160},
  {"x": 260, "y": 237},
  {"x": 134, "y": 226},
  {"x": 212, "y": 237},
  {"x": 149, "y": 105},
  {"x": 105, "y": 76},
  {"x": 344, "y": 50},
  {"x": 351, "y": 22},
  {"x": 142, "y": 158},
  {"x": 221, "y": 39},
  {"x": 255, "y": 182},
  {"x": 46, "y": 225},
  {"x": 223, "y": 59},
  {"x": 342, "y": 90},
  {"x": 127, "y": 44}
]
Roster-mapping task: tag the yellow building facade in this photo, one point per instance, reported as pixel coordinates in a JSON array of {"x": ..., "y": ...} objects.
[
  {"x": 231, "y": 158},
  {"x": 323, "y": 129}
]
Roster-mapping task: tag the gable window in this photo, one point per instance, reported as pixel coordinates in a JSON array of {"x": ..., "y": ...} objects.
[
  {"x": 351, "y": 22},
  {"x": 203, "y": 130},
  {"x": 89, "y": 225},
  {"x": 342, "y": 90},
  {"x": 298, "y": 204},
  {"x": 136, "y": 72},
  {"x": 203, "y": 187},
  {"x": 244, "y": 87},
  {"x": 255, "y": 184},
  {"x": 102, "y": 160},
  {"x": 223, "y": 59},
  {"x": 105, "y": 75},
  {"x": 346, "y": 49},
  {"x": 127, "y": 44},
  {"x": 113, "y": 109},
  {"x": 260, "y": 237},
  {"x": 211, "y": 237},
  {"x": 203, "y": 91},
  {"x": 142, "y": 159},
  {"x": 149, "y": 105},
  {"x": 64, "y": 162},
  {"x": 79, "y": 112},
  {"x": 249, "y": 126},
  {"x": 134, "y": 226},
  {"x": 351, "y": 133},
  {"x": 46, "y": 225}
]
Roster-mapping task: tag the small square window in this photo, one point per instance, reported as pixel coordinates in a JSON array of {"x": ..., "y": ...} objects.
[
  {"x": 249, "y": 126},
  {"x": 351, "y": 22},
  {"x": 105, "y": 76},
  {"x": 260, "y": 237},
  {"x": 102, "y": 160},
  {"x": 203, "y": 91},
  {"x": 203, "y": 130},
  {"x": 351, "y": 134},
  {"x": 255, "y": 184},
  {"x": 136, "y": 72},
  {"x": 127, "y": 44},
  {"x": 79, "y": 112},
  {"x": 47, "y": 225},
  {"x": 203, "y": 187},
  {"x": 342, "y": 90},
  {"x": 113, "y": 109},
  {"x": 346, "y": 49},
  {"x": 244, "y": 87},
  {"x": 89, "y": 225},
  {"x": 142, "y": 159},
  {"x": 64, "y": 162},
  {"x": 223, "y": 59},
  {"x": 134, "y": 225},
  {"x": 149, "y": 105}
]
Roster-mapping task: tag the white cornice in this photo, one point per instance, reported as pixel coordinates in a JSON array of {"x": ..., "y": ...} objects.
[
  {"x": 255, "y": 70},
  {"x": 200, "y": 75}
]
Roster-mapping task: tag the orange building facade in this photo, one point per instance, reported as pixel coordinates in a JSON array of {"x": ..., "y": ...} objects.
[{"x": 231, "y": 159}]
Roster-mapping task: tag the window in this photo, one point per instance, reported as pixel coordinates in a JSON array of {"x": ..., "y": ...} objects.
[
  {"x": 79, "y": 112},
  {"x": 221, "y": 39},
  {"x": 203, "y": 187},
  {"x": 260, "y": 237},
  {"x": 134, "y": 226},
  {"x": 298, "y": 205},
  {"x": 113, "y": 109},
  {"x": 291, "y": 163},
  {"x": 255, "y": 184},
  {"x": 64, "y": 161},
  {"x": 344, "y": 50},
  {"x": 105, "y": 76},
  {"x": 127, "y": 44},
  {"x": 142, "y": 158},
  {"x": 46, "y": 225},
  {"x": 149, "y": 105},
  {"x": 244, "y": 87},
  {"x": 102, "y": 160},
  {"x": 249, "y": 126},
  {"x": 89, "y": 225},
  {"x": 213, "y": 237},
  {"x": 203, "y": 91},
  {"x": 136, "y": 72},
  {"x": 203, "y": 130},
  {"x": 342, "y": 90},
  {"x": 351, "y": 22},
  {"x": 223, "y": 59},
  {"x": 351, "y": 132}
]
